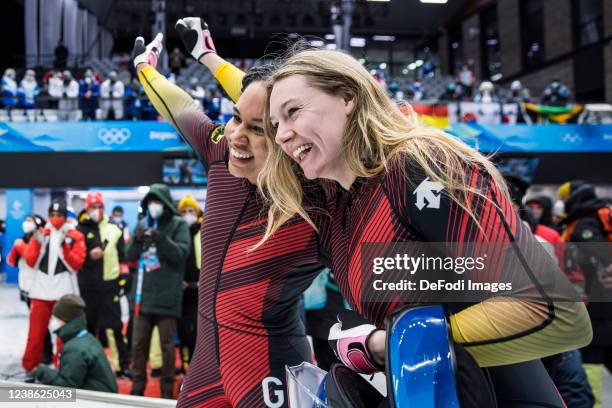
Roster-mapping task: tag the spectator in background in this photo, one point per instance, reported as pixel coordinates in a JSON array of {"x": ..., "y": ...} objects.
[
  {"x": 61, "y": 55},
  {"x": 57, "y": 252},
  {"x": 117, "y": 219},
  {"x": 99, "y": 279},
  {"x": 16, "y": 256},
  {"x": 453, "y": 92},
  {"x": 416, "y": 90},
  {"x": 83, "y": 363},
  {"x": 196, "y": 91},
  {"x": 211, "y": 104},
  {"x": 27, "y": 274},
  {"x": 112, "y": 92},
  {"x": 55, "y": 89},
  {"x": 226, "y": 109},
  {"x": 89, "y": 92},
  {"x": 565, "y": 369},
  {"x": 556, "y": 94},
  {"x": 161, "y": 242},
  {"x": 588, "y": 224},
  {"x": 177, "y": 60},
  {"x": 486, "y": 93},
  {"x": 133, "y": 94},
  {"x": 518, "y": 93},
  {"x": 9, "y": 89},
  {"x": 467, "y": 79},
  {"x": 28, "y": 90},
  {"x": 192, "y": 214},
  {"x": 69, "y": 100}
]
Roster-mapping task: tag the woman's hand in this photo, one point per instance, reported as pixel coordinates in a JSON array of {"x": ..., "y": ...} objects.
[
  {"x": 377, "y": 345},
  {"x": 149, "y": 54}
]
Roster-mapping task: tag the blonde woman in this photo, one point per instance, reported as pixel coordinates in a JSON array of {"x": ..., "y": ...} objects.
[{"x": 389, "y": 180}]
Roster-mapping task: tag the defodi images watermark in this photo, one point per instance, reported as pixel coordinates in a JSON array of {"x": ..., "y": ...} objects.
[{"x": 446, "y": 272}]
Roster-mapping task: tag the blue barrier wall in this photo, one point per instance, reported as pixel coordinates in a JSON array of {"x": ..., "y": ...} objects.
[{"x": 124, "y": 136}]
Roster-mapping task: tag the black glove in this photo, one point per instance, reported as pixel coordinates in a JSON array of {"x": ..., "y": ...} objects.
[{"x": 195, "y": 35}]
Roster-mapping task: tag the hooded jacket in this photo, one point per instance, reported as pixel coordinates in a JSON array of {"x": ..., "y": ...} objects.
[
  {"x": 547, "y": 207},
  {"x": 162, "y": 291},
  {"x": 83, "y": 363},
  {"x": 583, "y": 226}
]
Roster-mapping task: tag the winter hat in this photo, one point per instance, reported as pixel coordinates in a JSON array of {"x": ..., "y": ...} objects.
[
  {"x": 569, "y": 188},
  {"x": 69, "y": 307},
  {"x": 189, "y": 202},
  {"x": 58, "y": 206},
  {"x": 94, "y": 198}
]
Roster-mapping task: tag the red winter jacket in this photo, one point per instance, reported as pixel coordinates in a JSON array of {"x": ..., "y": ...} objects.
[{"x": 73, "y": 249}]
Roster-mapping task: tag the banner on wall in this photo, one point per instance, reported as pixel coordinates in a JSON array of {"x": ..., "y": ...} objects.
[
  {"x": 125, "y": 136},
  {"x": 119, "y": 136},
  {"x": 535, "y": 138},
  {"x": 19, "y": 204}
]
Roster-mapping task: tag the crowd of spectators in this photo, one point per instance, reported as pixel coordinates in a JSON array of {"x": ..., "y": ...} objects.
[
  {"x": 97, "y": 263},
  {"x": 87, "y": 95},
  {"x": 64, "y": 95}
]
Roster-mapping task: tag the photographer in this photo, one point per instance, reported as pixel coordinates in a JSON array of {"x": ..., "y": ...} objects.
[{"x": 161, "y": 245}]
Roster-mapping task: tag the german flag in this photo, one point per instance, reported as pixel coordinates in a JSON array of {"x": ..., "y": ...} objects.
[{"x": 433, "y": 115}]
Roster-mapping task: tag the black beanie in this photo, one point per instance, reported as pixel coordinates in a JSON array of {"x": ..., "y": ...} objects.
[
  {"x": 69, "y": 307},
  {"x": 58, "y": 206}
]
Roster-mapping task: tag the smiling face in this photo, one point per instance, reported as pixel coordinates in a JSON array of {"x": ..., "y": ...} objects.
[
  {"x": 310, "y": 125},
  {"x": 245, "y": 134}
]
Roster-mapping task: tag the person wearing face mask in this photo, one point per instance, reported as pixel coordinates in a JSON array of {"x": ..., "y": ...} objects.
[
  {"x": 99, "y": 279},
  {"x": 112, "y": 91},
  {"x": 161, "y": 244},
  {"x": 89, "y": 92},
  {"x": 55, "y": 87},
  {"x": 69, "y": 101},
  {"x": 56, "y": 252},
  {"x": 82, "y": 363},
  {"x": 9, "y": 89},
  {"x": 192, "y": 214},
  {"x": 27, "y": 274},
  {"x": 15, "y": 257},
  {"x": 28, "y": 90}
]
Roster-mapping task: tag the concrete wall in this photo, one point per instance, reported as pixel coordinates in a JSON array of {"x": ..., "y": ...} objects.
[
  {"x": 471, "y": 42},
  {"x": 508, "y": 12},
  {"x": 608, "y": 49},
  {"x": 443, "y": 52},
  {"x": 557, "y": 28}
]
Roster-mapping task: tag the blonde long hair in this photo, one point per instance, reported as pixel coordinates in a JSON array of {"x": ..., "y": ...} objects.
[{"x": 377, "y": 133}]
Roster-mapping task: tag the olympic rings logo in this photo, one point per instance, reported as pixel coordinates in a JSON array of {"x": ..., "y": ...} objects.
[{"x": 114, "y": 135}]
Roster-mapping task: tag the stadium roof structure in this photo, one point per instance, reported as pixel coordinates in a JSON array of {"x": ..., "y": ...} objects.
[{"x": 260, "y": 18}]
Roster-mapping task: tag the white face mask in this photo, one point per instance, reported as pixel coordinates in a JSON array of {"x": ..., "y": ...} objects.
[
  {"x": 95, "y": 215},
  {"x": 55, "y": 324},
  {"x": 117, "y": 220},
  {"x": 190, "y": 219},
  {"x": 155, "y": 210},
  {"x": 28, "y": 226}
]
